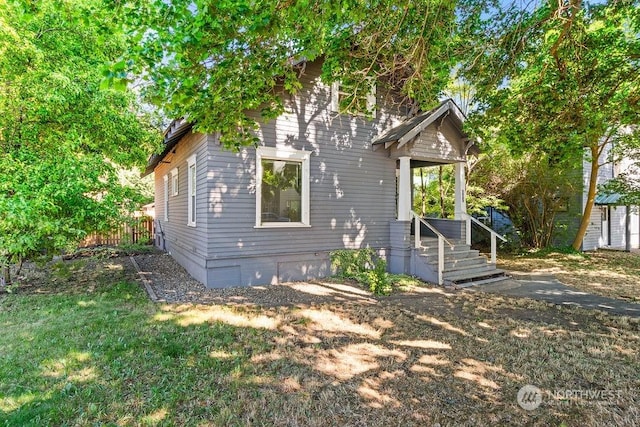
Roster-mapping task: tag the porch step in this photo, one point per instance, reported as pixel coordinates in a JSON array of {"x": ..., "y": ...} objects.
[
  {"x": 456, "y": 263},
  {"x": 492, "y": 281},
  {"x": 463, "y": 266},
  {"x": 461, "y": 263},
  {"x": 431, "y": 254},
  {"x": 478, "y": 267},
  {"x": 485, "y": 273}
]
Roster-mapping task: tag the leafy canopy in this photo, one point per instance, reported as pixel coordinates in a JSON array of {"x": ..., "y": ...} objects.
[
  {"x": 61, "y": 136},
  {"x": 214, "y": 60},
  {"x": 556, "y": 79}
]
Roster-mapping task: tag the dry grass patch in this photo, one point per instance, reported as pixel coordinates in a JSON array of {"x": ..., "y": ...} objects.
[
  {"x": 425, "y": 358},
  {"x": 614, "y": 274}
]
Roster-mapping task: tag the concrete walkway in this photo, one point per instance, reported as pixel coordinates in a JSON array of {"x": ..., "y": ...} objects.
[{"x": 548, "y": 288}]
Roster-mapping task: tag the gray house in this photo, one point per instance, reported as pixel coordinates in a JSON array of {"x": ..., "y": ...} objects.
[{"x": 317, "y": 181}]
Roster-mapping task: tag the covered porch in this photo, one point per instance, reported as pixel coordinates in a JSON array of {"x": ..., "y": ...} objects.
[{"x": 434, "y": 249}]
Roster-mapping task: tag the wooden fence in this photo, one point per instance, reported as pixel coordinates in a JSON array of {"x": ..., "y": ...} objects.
[{"x": 141, "y": 232}]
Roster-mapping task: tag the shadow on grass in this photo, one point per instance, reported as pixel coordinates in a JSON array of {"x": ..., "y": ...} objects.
[{"x": 112, "y": 357}]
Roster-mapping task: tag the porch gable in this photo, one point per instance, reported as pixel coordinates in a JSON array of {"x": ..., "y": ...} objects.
[{"x": 431, "y": 138}]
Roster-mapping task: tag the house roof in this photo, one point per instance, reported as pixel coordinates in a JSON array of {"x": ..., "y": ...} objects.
[
  {"x": 410, "y": 128},
  {"x": 608, "y": 199},
  {"x": 172, "y": 135}
]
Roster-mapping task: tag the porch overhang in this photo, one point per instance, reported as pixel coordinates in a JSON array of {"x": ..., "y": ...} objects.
[
  {"x": 612, "y": 199},
  {"x": 431, "y": 138}
]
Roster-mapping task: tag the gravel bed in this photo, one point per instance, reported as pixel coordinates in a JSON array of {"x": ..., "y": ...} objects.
[{"x": 172, "y": 284}]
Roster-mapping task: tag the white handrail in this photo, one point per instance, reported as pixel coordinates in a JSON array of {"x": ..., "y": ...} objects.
[
  {"x": 494, "y": 234},
  {"x": 441, "y": 240}
]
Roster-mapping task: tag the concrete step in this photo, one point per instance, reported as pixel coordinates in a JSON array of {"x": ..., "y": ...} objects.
[
  {"x": 473, "y": 274},
  {"x": 498, "y": 282},
  {"x": 452, "y": 264},
  {"x": 482, "y": 266},
  {"x": 449, "y": 255}
]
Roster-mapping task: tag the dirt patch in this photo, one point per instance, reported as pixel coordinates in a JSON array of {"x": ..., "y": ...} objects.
[
  {"x": 73, "y": 276},
  {"x": 172, "y": 284}
]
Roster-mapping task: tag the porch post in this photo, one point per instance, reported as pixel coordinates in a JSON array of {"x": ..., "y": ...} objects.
[
  {"x": 460, "y": 191},
  {"x": 404, "y": 189}
]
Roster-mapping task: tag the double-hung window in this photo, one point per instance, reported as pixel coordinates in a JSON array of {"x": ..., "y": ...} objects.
[
  {"x": 166, "y": 197},
  {"x": 282, "y": 187},
  {"x": 174, "y": 181},
  {"x": 191, "y": 191}
]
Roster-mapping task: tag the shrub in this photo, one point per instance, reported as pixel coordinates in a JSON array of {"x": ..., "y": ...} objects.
[{"x": 364, "y": 266}]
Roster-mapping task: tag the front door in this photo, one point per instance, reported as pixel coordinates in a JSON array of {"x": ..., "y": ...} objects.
[{"x": 604, "y": 225}]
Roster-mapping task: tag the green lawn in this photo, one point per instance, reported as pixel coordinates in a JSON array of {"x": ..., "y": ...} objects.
[
  {"x": 81, "y": 359},
  {"x": 102, "y": 354}
]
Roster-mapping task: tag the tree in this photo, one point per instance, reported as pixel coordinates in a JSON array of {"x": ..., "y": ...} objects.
[
  {"x": 61, "y": 136},
  {"x": 434, "y": 191},
  {"x": 532, "y": 189},
  {"x": 559, "y": 79},
  {"x": 213, "y": 61}
]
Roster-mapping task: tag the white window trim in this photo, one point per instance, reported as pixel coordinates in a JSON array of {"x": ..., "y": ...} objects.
[
  {"x": 166, "y": 197},
  {"x": 335, "y": 99},
  {"x": 174, "y": 181},
  {"x": 283, "y": 154},
  {"x": 191, "y": 189}
]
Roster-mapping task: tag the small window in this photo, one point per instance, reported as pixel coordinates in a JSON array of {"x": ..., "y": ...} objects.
[
  {"x": 166, "y": 198},
  {"x": 282, "y": 190},
  {"x": 174, "y": 182},
  {"x": 191, "y": 190},
  {"x": 343, "y": 99}
]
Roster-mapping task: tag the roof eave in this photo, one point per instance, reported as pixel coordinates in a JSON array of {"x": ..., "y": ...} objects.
[{"x": 172, "y": 137}]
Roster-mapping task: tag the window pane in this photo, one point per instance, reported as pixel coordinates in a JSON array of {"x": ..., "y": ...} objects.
[
  {"x": 192, "y": 196},
  {"x": 281, "y": 191}
]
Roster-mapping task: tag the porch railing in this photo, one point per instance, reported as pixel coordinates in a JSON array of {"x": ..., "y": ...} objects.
[
  {"x": 468, "y": 219},
  {"x": 441, "y": 241}
]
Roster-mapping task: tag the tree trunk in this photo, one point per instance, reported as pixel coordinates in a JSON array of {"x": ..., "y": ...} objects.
[
  {"x": 5, "y": 279},
  {"x": 591, "y": 197}
]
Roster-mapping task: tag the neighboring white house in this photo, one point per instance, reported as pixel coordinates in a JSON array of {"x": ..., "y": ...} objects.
[
  {"x": 317, "y": 181},
  {"x": 612, "y": 225}
]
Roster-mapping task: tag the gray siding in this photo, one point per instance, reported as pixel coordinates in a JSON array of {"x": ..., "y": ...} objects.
[
  {"x": 352, "y": 199},
  {"x": 593, "y": 237},
  {"x": 438, "y": 143},
  {"x": 187, "y": 244},
  {"x": 352, "y": 187},
  {"x": 352, "y": 195}
]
